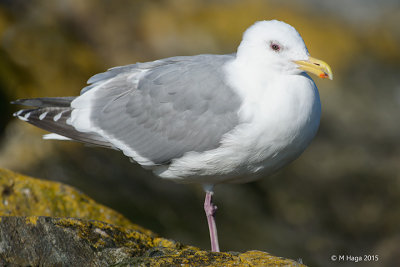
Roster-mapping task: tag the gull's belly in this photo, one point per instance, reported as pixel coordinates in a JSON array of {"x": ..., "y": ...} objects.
[{"x": 278, "y": 143}]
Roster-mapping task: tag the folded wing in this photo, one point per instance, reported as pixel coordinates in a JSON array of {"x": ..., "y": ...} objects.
[{"x": 153, "y": 112}]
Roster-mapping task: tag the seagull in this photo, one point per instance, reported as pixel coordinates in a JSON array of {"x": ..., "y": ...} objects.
[{"x": 206, "y": 119}]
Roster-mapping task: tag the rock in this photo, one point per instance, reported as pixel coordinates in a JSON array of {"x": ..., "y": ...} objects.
[
  {"x": 46, "y": 241},
  {"x": 97, "y": 236},
  {"x": 25, "y": 196}
]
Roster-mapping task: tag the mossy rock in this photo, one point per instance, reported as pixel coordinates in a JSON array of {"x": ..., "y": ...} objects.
[
  {"x": 31, "y": 235},
  {"x": 46, "y": 241},
  {"x": 25, "y": 196}
]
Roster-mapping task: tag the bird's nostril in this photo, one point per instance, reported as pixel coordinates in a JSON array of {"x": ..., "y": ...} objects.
[{"x": 317, "y": 64}]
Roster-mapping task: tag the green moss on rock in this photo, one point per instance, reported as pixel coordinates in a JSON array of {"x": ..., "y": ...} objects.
[
  {"x": 25, "y": 196},
  {"x": 31, "y": 235},
  {"x": 46, "y": 241}
]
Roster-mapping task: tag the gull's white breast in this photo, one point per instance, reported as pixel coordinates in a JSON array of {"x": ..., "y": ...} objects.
[{"x": 279, "y": 117}]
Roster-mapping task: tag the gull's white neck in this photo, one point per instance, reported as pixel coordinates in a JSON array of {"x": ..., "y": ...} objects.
[
  {"x": 283, "y": 112},
  {"x": 264, "y": 89}
]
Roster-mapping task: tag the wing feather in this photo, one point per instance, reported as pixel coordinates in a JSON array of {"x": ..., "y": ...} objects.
[{"x": 158, "y": 111}]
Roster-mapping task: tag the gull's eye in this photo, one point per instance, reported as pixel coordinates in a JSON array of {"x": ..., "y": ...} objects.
[{"x": 276, "y": 47}]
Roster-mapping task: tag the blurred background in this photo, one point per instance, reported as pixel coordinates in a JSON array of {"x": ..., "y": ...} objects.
[{"x": 342, "y": 196}]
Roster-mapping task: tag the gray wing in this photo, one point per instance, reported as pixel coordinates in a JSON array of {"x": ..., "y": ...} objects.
[{"x": 163, "y": 109}]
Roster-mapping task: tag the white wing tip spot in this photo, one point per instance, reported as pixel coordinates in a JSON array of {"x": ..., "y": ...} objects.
[
  {"x": 43, "y": 115},
  {"x": 16, "y": 114},
  {"x": 23, "y": 118},
  {"x": 58, "y": 116}
]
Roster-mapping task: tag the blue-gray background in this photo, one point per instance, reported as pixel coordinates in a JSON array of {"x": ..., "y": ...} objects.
[{"x": 342, "y": 196}]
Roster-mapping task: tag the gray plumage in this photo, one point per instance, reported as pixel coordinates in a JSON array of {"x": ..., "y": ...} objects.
[{"x": 160, "y": 109}]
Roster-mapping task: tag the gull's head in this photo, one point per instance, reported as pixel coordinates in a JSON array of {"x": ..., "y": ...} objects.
[{"x": 277, "y": 47}]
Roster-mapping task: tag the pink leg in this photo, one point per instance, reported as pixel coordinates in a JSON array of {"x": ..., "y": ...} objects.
[{"x": 210, "y": 209}]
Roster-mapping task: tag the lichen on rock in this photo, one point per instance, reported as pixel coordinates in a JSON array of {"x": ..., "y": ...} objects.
[
  {"x": 25, "y": 196},
  {"x": 89, "y": 234},
  {"x": 46, "y": 241}
]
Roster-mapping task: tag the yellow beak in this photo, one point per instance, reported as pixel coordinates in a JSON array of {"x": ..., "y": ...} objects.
[{"x": 315, "y": 66}]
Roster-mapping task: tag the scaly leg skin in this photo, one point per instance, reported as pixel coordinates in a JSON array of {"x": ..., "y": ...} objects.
[{"x": 210, "y": 210}]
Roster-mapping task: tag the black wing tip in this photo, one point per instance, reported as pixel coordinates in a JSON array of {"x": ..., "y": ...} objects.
[
  {"x": 22, "y": 112},
  {"x": 16, "y": 102},
  {"x": 42, "y": 102},
  {"x": 31, "y": 102}
]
